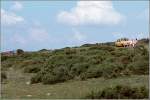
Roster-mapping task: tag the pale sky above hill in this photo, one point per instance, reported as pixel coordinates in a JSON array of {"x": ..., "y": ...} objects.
[{"x": 34, "y": 25}]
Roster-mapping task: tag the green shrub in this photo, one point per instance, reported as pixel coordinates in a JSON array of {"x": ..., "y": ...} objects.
[
  {"x": 31, "y": 62},
  {"x": 96, "y": 59},
  {"x": 96, "y": 52},
  {"x": 56, "y": 77},
  {"x": 87, "y": 45},
  {"x": 141, "y": 49},
  {"x": 123, "y": 39},
  {"x": 79, "y": 68},
  {"x": 43, "y": 50},
  {"x": 82, "y": 50},
  {"x": 3, "y": 76},
  {"x": 120, "y": 92},
  {"x": 32, "y": 69},
  {"x": 117, "y": 53},
  {"x": 4, "y": 58},
  {"x": 125, "y": 60},
  {"x": 139, "y": 67},
  {"x": 58, "y": 51},
  {"x": 50, "y": 79},
  {"x": 140, "y": 64},
  {"x": 62, "y": 72},
  {"x": 108, "y": 48},
  {"x": 92, "y": 72},
  {"x": 69, "y": 51},
  {"x": 143, "y": 41},
  {"x": 51, "y": 75},
  {"x": 37, "y": 78},
  {"x": 103, "y": 47},
  {"x": 112, "y": 70},
  {"x": 20, "y": 51},
  {"x": 110, "y": 43},
  {"x": 111, "y": 59}
]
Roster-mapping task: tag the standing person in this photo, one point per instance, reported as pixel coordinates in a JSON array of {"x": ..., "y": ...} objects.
[{"x": 134, "y": 42}]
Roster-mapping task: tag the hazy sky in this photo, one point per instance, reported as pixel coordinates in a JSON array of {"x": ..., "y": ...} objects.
[{"x": 34, "y": 25}]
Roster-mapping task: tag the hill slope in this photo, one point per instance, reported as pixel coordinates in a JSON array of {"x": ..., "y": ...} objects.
[{"x": 79, "y": 63}]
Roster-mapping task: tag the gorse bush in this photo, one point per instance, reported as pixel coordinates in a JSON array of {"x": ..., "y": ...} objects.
[
  {"x": 139, "y": 67},
  {"x": 96, "y": 61},
  {"x": 51, "y": 79},
  {"x": 20, "y": 51},
  {"x": 144, "y": 41},
  {"x": 3, "y": 76},
  {"x": 32, "y": 69},
  {"x": 120, "y": 92},
  {"x": 92, "y": 72},
  {"x": 37, "y": 78},
  {"x": 4, "y": 58},
  {"x": 69, "y": 51},
  {"x": 103, "y": 47},
  {"x": 141, "y": 49},
  {"x": 79, "y": 68},
  {"x": 87, "y": 61}
]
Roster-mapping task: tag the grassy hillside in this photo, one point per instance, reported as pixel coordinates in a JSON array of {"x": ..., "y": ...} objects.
[{"x": 101, "y": 61}]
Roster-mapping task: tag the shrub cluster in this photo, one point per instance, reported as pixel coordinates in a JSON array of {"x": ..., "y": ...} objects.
[
  {"x": 87, "y": 61},
  {"x": 3, "y": 76},
  {"x": 32, "y": 69},
  {"x": 120, "y": 92},
  {"x": 97, "y": 61}
]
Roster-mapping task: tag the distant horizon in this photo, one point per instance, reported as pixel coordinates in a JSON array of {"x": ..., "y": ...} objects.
[
  {"x": 65, "y": 46},
  {"x": 36, "y": 25}
]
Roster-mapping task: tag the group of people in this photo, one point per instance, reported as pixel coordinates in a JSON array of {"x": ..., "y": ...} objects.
[{"x": 131, "y": 43}]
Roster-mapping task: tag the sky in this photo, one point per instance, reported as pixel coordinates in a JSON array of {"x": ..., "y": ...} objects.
[{"x": 35, "y": 25}]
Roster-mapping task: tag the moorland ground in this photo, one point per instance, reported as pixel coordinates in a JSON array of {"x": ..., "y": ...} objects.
[{"x": 88, "y": 71}]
